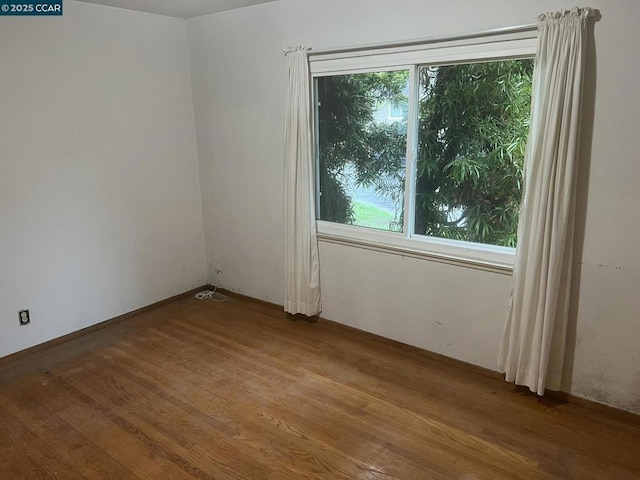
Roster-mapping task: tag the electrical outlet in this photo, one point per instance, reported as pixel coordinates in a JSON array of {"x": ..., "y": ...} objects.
[
  {"x": 217, "y": 265},
  {"x": 23, "y": 316}
]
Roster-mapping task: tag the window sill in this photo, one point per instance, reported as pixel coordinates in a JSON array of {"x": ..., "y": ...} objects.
[{"x": 464, "y": 254}]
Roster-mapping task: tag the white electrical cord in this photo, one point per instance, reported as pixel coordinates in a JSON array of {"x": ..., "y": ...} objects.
[{"x": 212, "y": 294}]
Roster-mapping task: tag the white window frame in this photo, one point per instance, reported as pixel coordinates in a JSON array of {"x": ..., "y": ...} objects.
[{"x": 482, "y": 256}]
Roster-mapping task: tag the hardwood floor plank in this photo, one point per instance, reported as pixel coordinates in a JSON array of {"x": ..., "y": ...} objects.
[
  {"x": 226, "y": 388},
  {"x": 15, "y": 443},
  {"x": 237, "y": 390},
  {"x": 383, "y": 412},
  {"x": 61, "y": 441},
  {"x": 587, "y": 428},
  {"x": 236, "y": 403}
]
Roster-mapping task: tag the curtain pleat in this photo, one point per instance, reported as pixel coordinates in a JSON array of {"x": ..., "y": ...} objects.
[
  {"x": 533, "y": 344},
  {"x": 302, "y": 266}
]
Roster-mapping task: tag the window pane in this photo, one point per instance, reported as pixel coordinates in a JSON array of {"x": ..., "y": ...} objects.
[
  {"x": 473, "y": 122},
  {"x": 362, "y": 139}
]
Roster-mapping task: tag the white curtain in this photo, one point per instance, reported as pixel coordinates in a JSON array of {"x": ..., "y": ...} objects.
[
  {"x": 533, "y": 344},
  {"x": 302, "y": 266}
]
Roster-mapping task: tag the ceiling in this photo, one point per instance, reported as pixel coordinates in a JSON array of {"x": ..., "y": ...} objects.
[{"x": 179, "y": 8}]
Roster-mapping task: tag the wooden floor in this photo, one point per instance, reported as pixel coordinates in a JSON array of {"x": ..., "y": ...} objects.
[{"x": 236, "y": 390}]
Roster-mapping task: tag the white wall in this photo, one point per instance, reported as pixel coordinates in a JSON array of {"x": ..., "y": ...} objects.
[
  {"x": 100, "y": 209},
  {"x": 238, "y": 75}
]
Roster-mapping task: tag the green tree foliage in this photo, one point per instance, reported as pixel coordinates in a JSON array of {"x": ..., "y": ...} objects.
[
  {"x": 472, "y": 129},
  {"x": 349, "y": 136}
]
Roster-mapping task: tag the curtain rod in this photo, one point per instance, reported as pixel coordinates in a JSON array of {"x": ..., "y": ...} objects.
[{"x": 434, "y": 39}]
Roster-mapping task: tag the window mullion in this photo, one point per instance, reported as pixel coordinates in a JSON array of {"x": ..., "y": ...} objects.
[{"x": 412, "y": 143}]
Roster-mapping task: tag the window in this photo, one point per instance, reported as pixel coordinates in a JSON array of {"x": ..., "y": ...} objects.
[
  {"x": 473, "y": 122},
  {"x": 362, "y": 148},
  {"x": 430, "y": 152}
]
